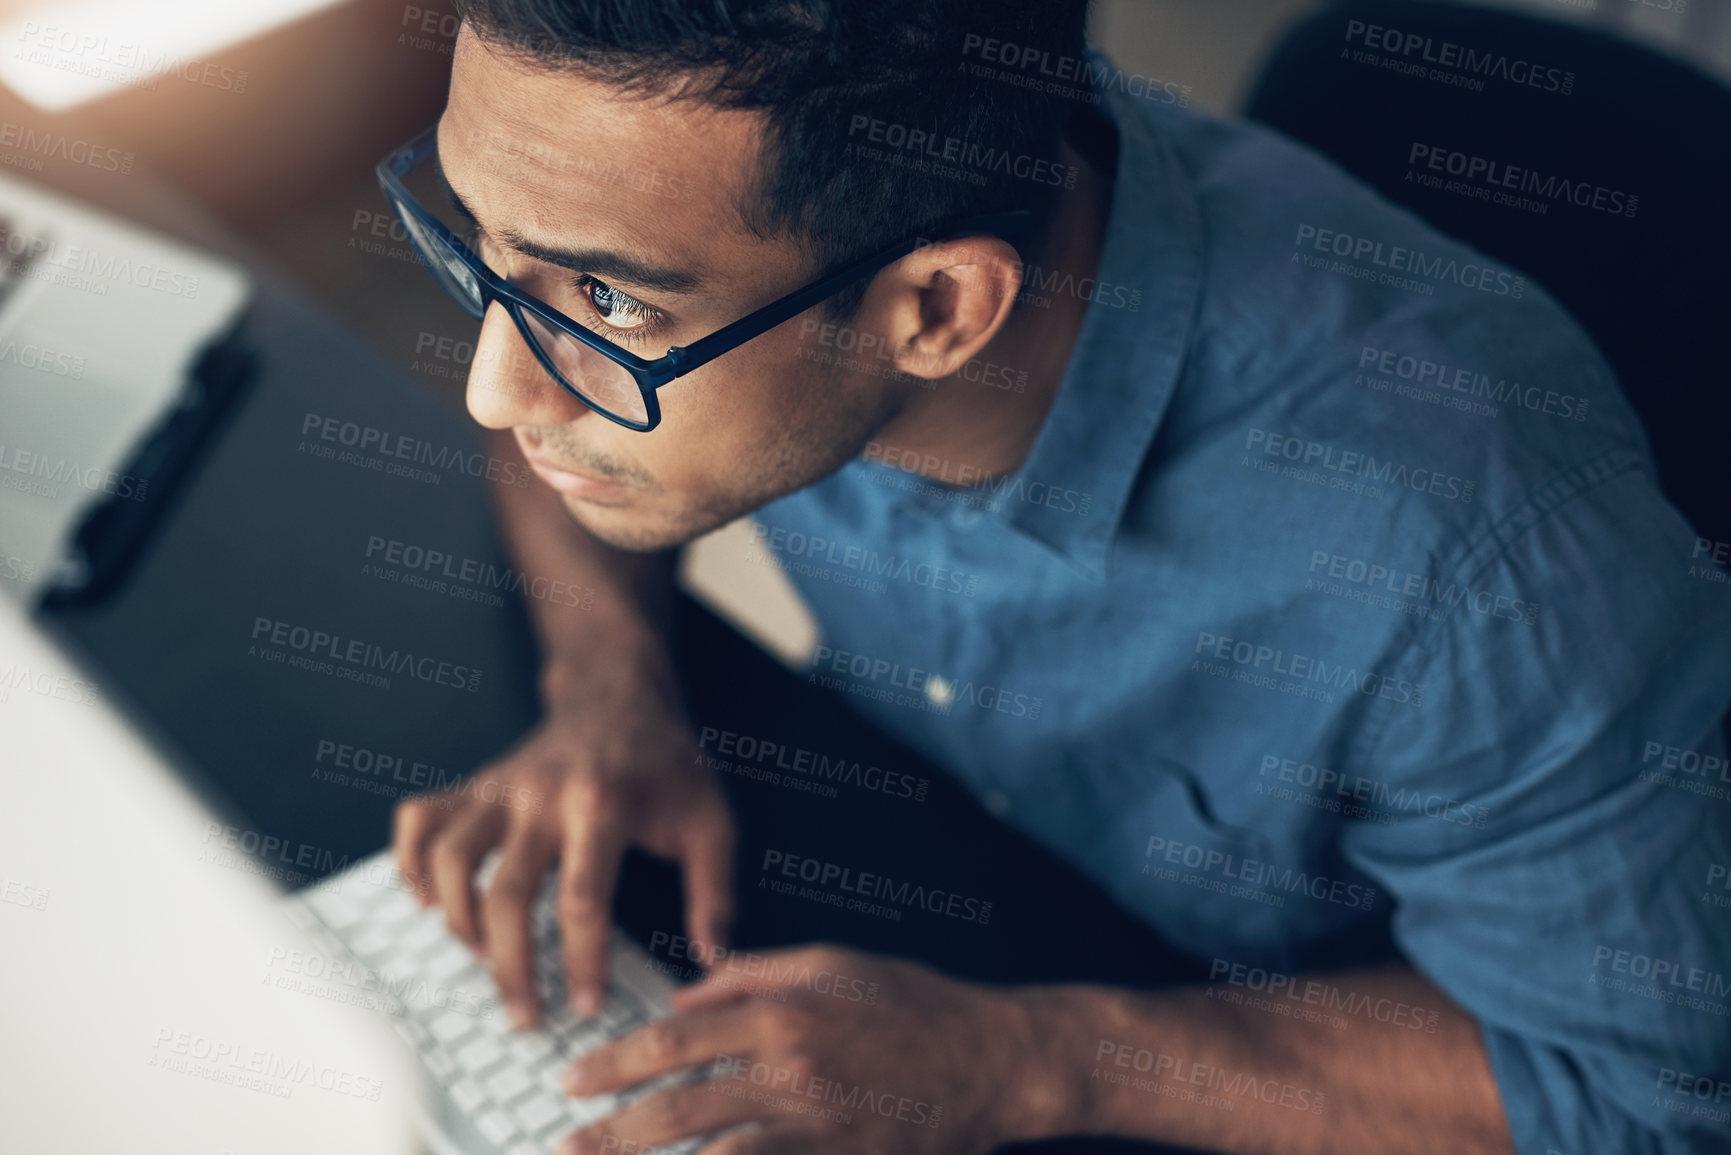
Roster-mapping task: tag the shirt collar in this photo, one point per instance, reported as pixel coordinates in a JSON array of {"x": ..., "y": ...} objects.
[{"x": 1126, "y": 361}]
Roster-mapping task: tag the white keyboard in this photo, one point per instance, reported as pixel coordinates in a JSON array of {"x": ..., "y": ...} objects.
[{"x": 500, "y": 1087}]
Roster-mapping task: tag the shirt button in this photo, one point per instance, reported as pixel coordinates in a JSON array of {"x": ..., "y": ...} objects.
[
  {"x": 939, "y": 691},
  {"x": 965, "y": 515},
  {"x": 996, "y": 804}
]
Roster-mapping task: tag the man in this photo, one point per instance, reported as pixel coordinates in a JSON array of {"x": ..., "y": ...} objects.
[{"x": 1164, "y": 516}]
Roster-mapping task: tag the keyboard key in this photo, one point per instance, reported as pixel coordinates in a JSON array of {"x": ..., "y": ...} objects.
[
  {"x": 450, "y": 961},
  {"x": 586, "y": 1111},
  {"x": 393, "y": 908},
  {"x": 539, "y": 1111},
  {"x": 495, "y": 1026},
  {"x": 441, "y": 1064},
  {"x": 552, "y": 1077},
  {"x": 372, "y": 940},
  {"x": 467, "y": 1095},
  {"x": 334, "y": 909},
  {"x": 622, "y": 1021},
  {"x": 529, "y": 1049},
  {"x": 396, "y": 967},
  {"x": 430, "y": 930},
  {"x": 585, "y": 1039},
  {"x": 484, "y": 874},
  {"x": 496, "y": 1125},
  {"x": 475, "y": 1057},
  {"x": 450, "y": 1026},
  {"x": 508, "y": 1084}
]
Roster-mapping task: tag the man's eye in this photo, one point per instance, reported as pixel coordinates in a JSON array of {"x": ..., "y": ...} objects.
[{"x": 615, "y": 309}]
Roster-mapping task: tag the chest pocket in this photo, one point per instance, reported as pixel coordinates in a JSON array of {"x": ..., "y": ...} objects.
[{"x": 1202, "y": 883}]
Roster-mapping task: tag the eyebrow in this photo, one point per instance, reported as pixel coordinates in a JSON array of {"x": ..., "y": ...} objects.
[{"x": 605, "y": 264}]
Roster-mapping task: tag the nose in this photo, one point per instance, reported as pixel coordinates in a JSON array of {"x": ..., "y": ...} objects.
[{"x": 507, "y": 385}]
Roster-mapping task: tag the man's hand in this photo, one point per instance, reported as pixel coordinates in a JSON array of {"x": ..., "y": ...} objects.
[
  {"x": 826, "y": 1050},
  {"x": 612, "y": 765}
]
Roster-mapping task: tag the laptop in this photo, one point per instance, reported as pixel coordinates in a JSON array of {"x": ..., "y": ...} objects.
[{"x": 103, "y": 330}]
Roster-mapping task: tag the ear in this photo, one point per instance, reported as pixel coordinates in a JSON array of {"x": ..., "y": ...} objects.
[{"x": 948, "y": 300}]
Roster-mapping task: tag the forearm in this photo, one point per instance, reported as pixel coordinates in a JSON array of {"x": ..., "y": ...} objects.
[
  {"x": 1185, "y": 1068},
  {"x": 623, "y": 622}
]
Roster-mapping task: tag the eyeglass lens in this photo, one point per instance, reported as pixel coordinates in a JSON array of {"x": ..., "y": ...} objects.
[
  {"x": 592, "y": 376},
  {"x": 596, "y": 378}
]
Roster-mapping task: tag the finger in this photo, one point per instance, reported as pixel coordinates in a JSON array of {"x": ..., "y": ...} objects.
[
  {"x": 772, "y": 1139},
  {"x": 708, "y": 861},
  {"x": 782, "y": 969},
  {"x": 670, "y": 1044},
  {"x": 456, "y": 852},
  {"x": 711, "y": 991},
  {"x": 676, "y": 1113},
  {"x": 507, "y": 916},
  {"x": 413, "y": 824},
  {"x": 589, "y": 870}
]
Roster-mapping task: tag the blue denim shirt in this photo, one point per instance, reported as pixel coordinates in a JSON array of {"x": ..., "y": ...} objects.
[{"x": 1335, "y": 603}]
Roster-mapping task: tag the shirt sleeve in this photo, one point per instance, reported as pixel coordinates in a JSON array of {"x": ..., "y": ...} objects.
[{"x": 1582, "y": 914}]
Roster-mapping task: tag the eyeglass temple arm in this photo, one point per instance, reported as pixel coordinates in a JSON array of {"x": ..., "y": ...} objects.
[
  {"x": 410, "y": 154},
  {"x": 683, "y": 359}
]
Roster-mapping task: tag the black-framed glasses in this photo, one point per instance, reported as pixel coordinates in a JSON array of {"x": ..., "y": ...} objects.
[{"x": 616, "y": 382}]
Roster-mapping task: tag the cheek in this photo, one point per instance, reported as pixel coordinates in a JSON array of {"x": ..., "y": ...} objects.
[
  {"x": 750, "y": 426},
  {"x": 696, "y": 456},
  {"x": 740, "y": 398}
]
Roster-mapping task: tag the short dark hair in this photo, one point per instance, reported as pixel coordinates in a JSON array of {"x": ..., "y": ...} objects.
[{"x": 846, "y": 85}]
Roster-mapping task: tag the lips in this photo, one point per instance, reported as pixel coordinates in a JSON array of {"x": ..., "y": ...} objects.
[{"x": 567, "y": 480}]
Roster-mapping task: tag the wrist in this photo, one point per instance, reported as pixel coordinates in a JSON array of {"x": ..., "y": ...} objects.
[
  {"x": 607, "y": 668},
  {"x": 1046, "y": 1098}
]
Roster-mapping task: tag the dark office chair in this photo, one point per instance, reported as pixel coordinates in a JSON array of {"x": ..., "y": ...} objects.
[{"x": 1651, "y": 289}]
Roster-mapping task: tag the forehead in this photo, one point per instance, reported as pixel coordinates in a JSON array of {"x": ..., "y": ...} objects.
[{"x": 558, "y": 157}]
